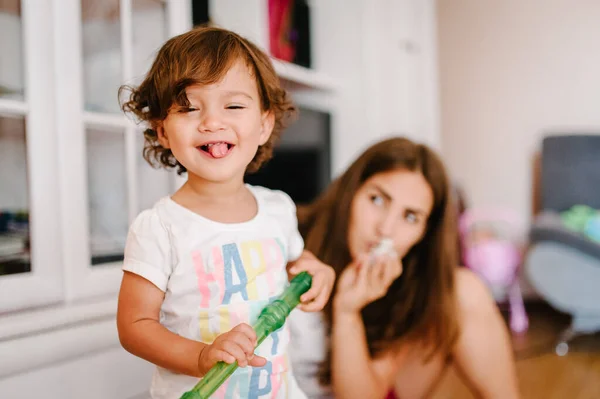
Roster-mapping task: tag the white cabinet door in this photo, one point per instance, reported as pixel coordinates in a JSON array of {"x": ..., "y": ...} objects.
[{"x": 400, "y": 68}]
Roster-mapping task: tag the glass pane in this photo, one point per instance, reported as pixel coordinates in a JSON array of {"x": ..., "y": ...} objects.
[
  {"x": 149, "y": 33},
  {"x": 101, "y": 54},
  {"x": 107, "y": 195},
  {"x": 14, "y": 202},
  {"x": 11, "y": 45},
  {"x": 153, "y": 184}
]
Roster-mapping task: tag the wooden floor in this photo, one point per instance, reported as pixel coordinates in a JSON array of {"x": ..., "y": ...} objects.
[{"x": 542, "y": 374}]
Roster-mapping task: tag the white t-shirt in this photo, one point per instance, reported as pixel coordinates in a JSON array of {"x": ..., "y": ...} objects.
[
  {"x": 308, "y": 333},
  {"x": 215, "y": 276}
]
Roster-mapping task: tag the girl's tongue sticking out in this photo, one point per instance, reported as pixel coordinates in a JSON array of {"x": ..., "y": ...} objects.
[{"x": 217, "y": 150}]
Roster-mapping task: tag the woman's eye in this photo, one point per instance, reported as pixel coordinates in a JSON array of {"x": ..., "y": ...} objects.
[
  {"x": 377, "y": 200},
  {"x": 411, "y": 218}
]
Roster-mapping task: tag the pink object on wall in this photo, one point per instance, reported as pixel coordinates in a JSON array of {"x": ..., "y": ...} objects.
[{"x": 280, "y": 22}]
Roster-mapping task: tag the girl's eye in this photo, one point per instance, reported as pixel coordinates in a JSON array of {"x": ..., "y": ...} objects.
[
  {"x": 185, "y": 110},
  {"x": 235, "y": 107},
  {"x": 377, "y": 200}
]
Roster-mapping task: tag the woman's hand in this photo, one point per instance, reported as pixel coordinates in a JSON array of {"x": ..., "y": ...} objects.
[
  {"x": 323, "y": 278},
  {"x": 364, "y": 281}
]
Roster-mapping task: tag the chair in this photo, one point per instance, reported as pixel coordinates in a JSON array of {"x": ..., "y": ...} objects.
[{"x": 563, "y": 265}]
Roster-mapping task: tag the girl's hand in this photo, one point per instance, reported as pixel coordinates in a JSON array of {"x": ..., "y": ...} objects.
[
  {"x": 323, "y": 278},
  {"x": 235, "y": 345},
  {"x": 364, "y": 281}
]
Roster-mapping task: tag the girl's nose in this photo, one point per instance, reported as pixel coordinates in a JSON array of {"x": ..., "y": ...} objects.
[{"x": 210, "y": 122}]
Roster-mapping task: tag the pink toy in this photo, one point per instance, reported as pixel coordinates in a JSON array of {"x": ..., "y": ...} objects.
[{"x": 490, "y": 240}]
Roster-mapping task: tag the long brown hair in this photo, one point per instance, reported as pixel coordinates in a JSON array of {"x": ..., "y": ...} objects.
[
  {"x": 203, "y": 56},
  {"x": 419, "y": 306}
]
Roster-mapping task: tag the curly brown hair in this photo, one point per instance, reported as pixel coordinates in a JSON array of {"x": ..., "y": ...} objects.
[{"x": 203, "y": 56}]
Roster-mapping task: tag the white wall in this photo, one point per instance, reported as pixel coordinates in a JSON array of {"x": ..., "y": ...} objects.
[{"x": 510, "y": 71}]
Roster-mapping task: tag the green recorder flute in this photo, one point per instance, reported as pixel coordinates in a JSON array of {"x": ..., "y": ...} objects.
[{"x": 270, "y": 319}]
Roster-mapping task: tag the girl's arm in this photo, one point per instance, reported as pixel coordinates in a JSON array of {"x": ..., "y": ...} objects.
[
  {"x": 141, "y": 333},
  {"x": 354, "y": 373}
]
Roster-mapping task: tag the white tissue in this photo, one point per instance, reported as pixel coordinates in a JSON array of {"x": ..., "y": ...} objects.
[{"x": 385, "y": 247}]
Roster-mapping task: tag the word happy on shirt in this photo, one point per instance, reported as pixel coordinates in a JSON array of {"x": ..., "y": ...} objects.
[{"x": 236, "y": 281}]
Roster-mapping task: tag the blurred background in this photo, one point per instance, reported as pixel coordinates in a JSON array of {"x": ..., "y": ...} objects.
[{"x": 507, "y": 91}]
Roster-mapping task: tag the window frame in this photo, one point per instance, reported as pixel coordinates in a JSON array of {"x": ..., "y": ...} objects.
[
  {"x": 82, "y": 279},
  {"x": 44, "y": 283},
  {"x": 56, "y": 122}
]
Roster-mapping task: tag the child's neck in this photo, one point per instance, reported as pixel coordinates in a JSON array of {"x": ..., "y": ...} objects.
[
  {"x": 225, "y": 202},
  {"x": 210, "y": 191}
]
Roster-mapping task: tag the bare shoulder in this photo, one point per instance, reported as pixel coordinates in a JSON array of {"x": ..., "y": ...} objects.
[{"x": 471, "y": 292}]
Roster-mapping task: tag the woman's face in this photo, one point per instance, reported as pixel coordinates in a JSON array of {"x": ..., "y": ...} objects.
[{"x": 394, "y": 205}]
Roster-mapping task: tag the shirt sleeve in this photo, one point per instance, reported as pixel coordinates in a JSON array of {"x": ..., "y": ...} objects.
[
  {"x": 295, "y": 241},
  {"x": 147, "y": 251}
]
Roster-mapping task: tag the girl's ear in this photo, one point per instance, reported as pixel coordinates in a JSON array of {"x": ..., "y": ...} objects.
[
  {"x": 267, "y": 124},
  {"x": 163, "y": 139}
]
